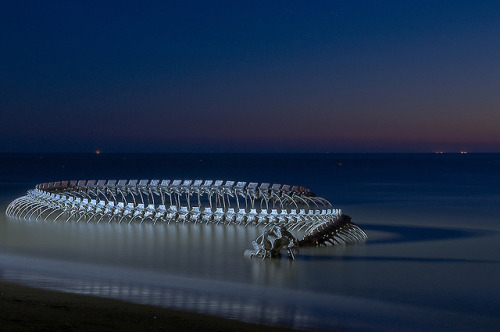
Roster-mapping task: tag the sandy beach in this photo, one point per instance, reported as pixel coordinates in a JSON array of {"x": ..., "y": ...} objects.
[{"x": 29, "y": 309}]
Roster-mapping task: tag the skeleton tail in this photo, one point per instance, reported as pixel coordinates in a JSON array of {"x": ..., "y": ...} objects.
[{"x": 338, "y": 230}]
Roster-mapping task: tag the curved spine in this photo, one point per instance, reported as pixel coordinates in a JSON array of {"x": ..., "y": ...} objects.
[{"x": 198, "y": 201}]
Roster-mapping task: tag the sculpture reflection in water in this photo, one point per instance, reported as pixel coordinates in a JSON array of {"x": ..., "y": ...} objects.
[
  {"x": 251, "y": 304},
  {"x": 279, "y": 208}
]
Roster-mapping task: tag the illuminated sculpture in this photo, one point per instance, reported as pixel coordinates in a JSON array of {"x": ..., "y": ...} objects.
[{"x": 279, "y": 208}]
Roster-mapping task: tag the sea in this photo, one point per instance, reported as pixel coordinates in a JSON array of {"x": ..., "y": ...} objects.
[{"x": 431, "y": 261}]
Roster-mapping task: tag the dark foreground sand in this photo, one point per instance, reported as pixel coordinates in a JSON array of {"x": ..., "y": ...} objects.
[{"x": 29, "y": 309}]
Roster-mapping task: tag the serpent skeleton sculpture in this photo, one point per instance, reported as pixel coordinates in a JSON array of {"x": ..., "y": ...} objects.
[{"x": 279, "y": 208}]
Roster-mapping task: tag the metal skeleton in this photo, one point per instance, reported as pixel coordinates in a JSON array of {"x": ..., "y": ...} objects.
[{"x": 279, "y": 208}]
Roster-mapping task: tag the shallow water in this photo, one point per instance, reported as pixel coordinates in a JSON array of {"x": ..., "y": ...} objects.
[{"x": 431, "y": 260}]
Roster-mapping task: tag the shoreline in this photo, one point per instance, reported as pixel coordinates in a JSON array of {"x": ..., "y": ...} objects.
[{"x": 25, "y": 308}]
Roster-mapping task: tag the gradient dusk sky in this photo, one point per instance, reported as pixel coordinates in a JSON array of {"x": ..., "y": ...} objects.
[{"x": 250, "y": 76}]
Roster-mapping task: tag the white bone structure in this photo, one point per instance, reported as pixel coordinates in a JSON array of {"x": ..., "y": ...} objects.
[{"x": 198, "y": 201}]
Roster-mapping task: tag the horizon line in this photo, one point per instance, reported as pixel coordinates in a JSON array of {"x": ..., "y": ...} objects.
[{"x": 100, "y": 152}]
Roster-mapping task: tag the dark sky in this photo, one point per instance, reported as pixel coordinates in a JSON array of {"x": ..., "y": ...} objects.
[{"x": 250, "y": 76}]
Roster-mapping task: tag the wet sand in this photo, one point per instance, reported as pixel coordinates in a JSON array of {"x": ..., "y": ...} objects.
[{"x": 29, "y": 309}]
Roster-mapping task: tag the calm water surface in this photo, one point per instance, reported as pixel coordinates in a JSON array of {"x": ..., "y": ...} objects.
[{"x": 431, "y": 262}]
